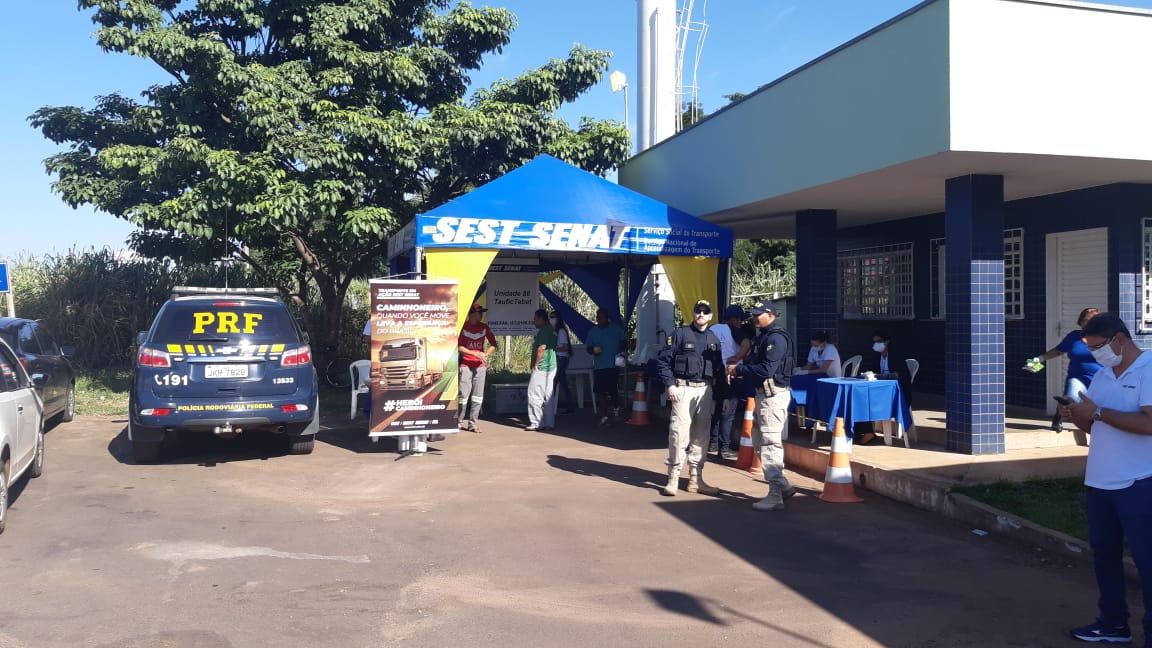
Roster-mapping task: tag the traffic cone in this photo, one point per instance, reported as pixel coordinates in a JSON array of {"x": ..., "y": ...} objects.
[
  {"x": 748, "y": 459},
  {"x": 640, "y": 403},
  {"x": 838, "y": 481}
]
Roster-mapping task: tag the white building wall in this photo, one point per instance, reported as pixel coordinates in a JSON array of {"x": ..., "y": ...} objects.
[
  {"x": 1041, "y": 78},
  {"x": 882, "y": 101}
]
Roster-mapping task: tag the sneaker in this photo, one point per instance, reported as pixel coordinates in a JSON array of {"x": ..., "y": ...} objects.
[
  {"x": 605, "y": 421},
  {"x": 532, "y": 428},
  {"x": 729, "y": 455},
  {"x": 1099, "y": 632},
  {"x": 769, "y": 504},
  {"x": 714, "y": 447}
]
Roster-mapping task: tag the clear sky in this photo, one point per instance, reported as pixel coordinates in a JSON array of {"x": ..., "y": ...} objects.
[{"x": 51, "y": 59}]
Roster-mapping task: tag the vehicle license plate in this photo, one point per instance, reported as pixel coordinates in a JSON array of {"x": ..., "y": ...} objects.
[{"x": 226, "y": 371}]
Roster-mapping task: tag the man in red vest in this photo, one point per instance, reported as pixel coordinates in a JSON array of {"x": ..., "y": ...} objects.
[{"x": 473, "y": 366}]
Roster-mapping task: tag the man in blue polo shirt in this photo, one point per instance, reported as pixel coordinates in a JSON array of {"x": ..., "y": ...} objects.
[{"x": 604, "y": 341}]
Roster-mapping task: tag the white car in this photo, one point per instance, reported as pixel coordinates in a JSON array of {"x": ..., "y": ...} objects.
[{"x": 21, "y": 426}]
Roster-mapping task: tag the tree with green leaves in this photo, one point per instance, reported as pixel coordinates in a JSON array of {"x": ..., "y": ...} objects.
[{"x": 297, "y": 135}]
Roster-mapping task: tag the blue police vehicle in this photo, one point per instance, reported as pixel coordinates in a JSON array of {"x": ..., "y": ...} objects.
[{"x": 223, "y": 361}]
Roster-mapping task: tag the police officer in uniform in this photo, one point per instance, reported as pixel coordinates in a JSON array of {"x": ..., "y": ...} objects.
[
  {"x": 769, "y": 366},
  {"x": 689, "y": 366}
]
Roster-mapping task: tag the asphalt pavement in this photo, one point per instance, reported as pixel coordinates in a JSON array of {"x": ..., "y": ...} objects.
[{"x": 506, "y": 538}]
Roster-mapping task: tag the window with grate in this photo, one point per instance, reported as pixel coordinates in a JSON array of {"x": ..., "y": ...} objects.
[
  {"x": 1147, "y": 316},
  {"x": 1013, "y": 275},
  {"x": 876, "y": 282}
]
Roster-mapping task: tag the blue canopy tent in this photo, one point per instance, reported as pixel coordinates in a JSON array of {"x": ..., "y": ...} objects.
[{"x": 564, "y": 218}]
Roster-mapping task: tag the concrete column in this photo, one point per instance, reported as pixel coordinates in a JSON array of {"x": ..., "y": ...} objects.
[
  {"x": 974, "y": 303},
  {"x": 816, "y": 273}
]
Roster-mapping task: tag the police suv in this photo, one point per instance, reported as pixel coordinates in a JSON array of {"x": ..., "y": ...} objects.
[{"x": 222, "y": 361}]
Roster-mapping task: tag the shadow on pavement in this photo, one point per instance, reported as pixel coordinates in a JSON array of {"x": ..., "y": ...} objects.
[
  {"x": 712, "y": 611},
  {"x": 585, "y": 427},
  {"x": 865, "y": 565},
  {"x": 205, "y": 449},
  {"x": 629, "y": 475}
]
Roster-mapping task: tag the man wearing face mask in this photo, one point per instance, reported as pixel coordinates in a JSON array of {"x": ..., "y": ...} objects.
[
  {"x": 887, "y": 364},
  {"x": 1117, "y": 412},
  {"x": 690, "y": 365}
]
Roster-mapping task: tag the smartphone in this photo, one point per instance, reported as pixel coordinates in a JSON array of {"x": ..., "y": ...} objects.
[{"x": 1062, "y": 400}]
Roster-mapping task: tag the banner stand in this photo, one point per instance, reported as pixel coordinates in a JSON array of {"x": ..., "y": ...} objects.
[{"x": 413, "y": 355}]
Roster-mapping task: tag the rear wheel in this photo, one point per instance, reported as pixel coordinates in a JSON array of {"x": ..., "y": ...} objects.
[
  {"x": 37, "y": 467},
  {"x": 302, "y": 444},
  {"x": 70, "y": 407},
  {"x": 338, "y": 372},
  {"x": 3, "y": 496}
]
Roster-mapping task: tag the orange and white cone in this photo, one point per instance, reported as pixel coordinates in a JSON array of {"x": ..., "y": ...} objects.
[
  {"x": 748, "y": 459},
  {"x": 838, "y": 481},
  {"x": 640, "y": 403}
]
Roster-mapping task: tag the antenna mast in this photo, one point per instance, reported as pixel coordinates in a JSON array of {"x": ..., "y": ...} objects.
[{"x": 689, "y": 33}]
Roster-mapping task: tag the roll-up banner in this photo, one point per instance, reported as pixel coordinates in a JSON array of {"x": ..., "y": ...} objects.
[{"x": 413, "y": 353}]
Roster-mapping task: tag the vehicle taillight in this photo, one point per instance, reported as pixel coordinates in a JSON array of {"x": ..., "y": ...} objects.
[
  {"x": 153, "y": 358},
  {"x": 296, "y": 357},
  {"x": 156, "y": 411},
  {"x": 23, "y": 362},
  {"x": 298, "y": 407}
]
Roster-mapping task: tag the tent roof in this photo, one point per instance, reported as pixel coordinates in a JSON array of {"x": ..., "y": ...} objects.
[{"x": 550, "y": 205}]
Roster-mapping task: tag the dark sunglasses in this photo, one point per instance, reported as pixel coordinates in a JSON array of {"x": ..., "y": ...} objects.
[
  {"x": 1099, "y": 346},
  {"x": 703, "y": 311}
]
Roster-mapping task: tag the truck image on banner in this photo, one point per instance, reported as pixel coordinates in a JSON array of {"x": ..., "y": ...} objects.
[
  {"x": 414, "y": 333},
  {"x": 404, "y": 364}
]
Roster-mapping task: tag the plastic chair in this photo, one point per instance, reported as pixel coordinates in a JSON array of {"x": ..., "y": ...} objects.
[
  {"x": 913, "y": 367},
  {"x": 852, "y": 366},
  {"x": 361, "y": 382}
]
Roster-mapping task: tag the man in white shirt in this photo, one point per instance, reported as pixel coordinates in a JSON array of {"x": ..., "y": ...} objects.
[
  {"x": 734, "y": 343},
  {"x": 1117, "y": 411}
]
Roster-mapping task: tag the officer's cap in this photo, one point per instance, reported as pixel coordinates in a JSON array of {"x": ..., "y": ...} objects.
[{"x": 765, "y": 306}]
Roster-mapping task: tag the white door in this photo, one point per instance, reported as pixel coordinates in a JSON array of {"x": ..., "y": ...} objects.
[{"x": 1077, "y": 279}]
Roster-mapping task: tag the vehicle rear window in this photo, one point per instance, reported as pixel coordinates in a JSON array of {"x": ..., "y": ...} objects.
[
  {"x": 254, "y": 323},
  {"x": 9, "y": 379}
]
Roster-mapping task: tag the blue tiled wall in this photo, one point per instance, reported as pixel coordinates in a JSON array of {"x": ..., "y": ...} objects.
[
  {"x": 815, "y": 260},
  {"x": 1119, "y": 207}
]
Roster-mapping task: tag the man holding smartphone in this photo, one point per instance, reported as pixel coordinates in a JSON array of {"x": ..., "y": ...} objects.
[{"x": 1117, "y": 411}]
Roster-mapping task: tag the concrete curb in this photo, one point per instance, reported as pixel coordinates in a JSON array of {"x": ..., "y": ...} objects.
[{"x": 934, "y": 494}]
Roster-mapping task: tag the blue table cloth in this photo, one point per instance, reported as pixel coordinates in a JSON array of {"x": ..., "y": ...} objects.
[
  {"x": 800, "y": 386},
  {"x": 857, "y": 399}
]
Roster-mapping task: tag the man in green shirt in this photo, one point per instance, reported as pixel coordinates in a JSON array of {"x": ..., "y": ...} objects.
[{"x": 541, "y": 396}]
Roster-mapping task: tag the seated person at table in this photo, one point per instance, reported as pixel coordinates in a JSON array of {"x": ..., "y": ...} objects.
[
  {"x": 823, "y": 356},
  {"x": 887, "y": 364}
]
